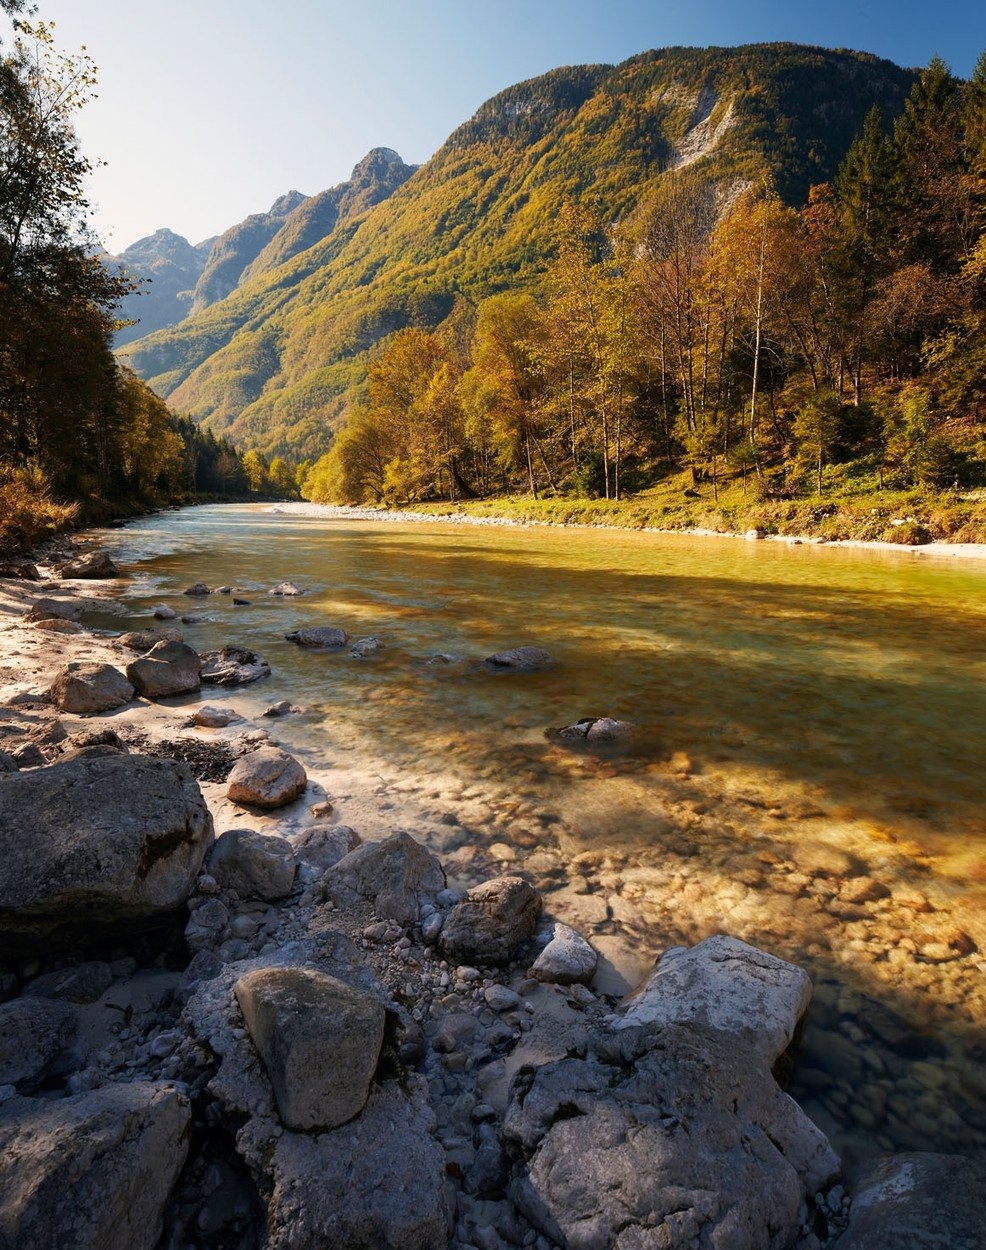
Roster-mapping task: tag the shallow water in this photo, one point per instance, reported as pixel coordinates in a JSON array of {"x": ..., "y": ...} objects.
[{"x": 790, "y": 702}]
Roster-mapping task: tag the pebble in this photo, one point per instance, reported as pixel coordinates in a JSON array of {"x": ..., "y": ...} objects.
[{"x": 501, "y": 997}]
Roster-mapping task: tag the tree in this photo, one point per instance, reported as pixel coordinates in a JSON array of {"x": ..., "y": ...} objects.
[
  {"x": 256, "y": 471},
  {"x": 816, "y": 425},
  {"x": 281, "y": 478}
]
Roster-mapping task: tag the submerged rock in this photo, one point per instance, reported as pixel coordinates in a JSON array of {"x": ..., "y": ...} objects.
[
  {"x": 287, "y": 589},
  {"x": 86, "y": 688},
  {"x": 233, "y": 666},
  {"x": 144, "y": 639},
  {"x": 519, "y": 659},
  {"x": 319, "y": 1040},
  {"x": 363, "y": 647},
  {"x": 197, "y": 591},
  {"x": 322, "y": 636},
  {"x": 266, "y": 778},
  {"x": 93, "y": 1171},
  {"x": 595, "y": 729}
]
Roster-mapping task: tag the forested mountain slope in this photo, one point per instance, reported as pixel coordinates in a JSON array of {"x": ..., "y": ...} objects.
[{"x": 270, "y": 363}]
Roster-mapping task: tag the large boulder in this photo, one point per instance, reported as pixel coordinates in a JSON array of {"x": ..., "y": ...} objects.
[
  {"x": 90, "y": 1172},
  {"x": 518, "y": 660},
  {"x": 266, "y": 778},
  {"x": 728, "y": 986},
  {"x": 95, "y": 565},
  {"x": 169, "y": 668},
  {"x": 257, "y": 865},
  {"x": 34, "y": 1033},
  {"x": 319, "y": 1040},
  {"x": 85, "y": 688},
  {"x": 917, "y": 1201},
  {"x": 492, "y": 923},
  {"x": 323, "y": 846},
  {"x": 90, "y": 846},
  {"x": 395, "y": 877},
  {"x": 55, "y": 609},
  {"x": 321, "y": 636},
  {"x": 233, "y": 666},
  {"x": 678, "y": 1139}
]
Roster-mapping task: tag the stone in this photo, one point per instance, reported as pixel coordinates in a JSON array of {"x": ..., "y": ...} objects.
[
  {"x": 162, "y": 612},
  {"x": 94, "y": 565},
  {"x": 87, "y": 738},
  {"x": 197, "y": 591},
  {"x": 85, "y": 688},
  {"x": 395, "y": 876},
  {"x": 93, "y": 846},
  {"x": 378, "y": 1182},
  {"x": 56, "y": 625},
  {"x": 287, "y": 589},
  {"x": 819, "y": 859},
  {"x": 568, "y": 958},
  {"x": 595, "y": 730},
  {"x": 92, "y": 1171},
  {"x": 492, "y": 923},
  {"x": 7, "y": 763},
  {"x": 266, "y": 778},
  {"x": 143, "y": 640},
  {"x": 209, "y": 717},
  {"x": 20, "y": 570},
  {"x": 325, "y": 845},
  {"x": 233, "y": 666},
  {"x": 673, "y": 1139},
  {"x": 34, "y": 1033},
  {"x": 255, "y": 865},
  {"x": 168, "y": 669},
  {"x": 917, "y": 1201},
  {"x": 725, "y": 985},
  {"x": 501, "y": 998},
  {"x": 321, "y": 636},
  {"x": 519, "y": 659},
  {"x": 30, "y": 755},
  {"x": 363, "y": 647},
  {"x": 81, "y": 983},
  {"x": 284, "y": 708},
  {"x": 319, "y": 1040},
  {"x": 54, "y": 609}
]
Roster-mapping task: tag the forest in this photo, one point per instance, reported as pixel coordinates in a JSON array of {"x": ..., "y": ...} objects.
[
  {"x": 81, "y": 437},
  {"x": 720, "y": 338}
]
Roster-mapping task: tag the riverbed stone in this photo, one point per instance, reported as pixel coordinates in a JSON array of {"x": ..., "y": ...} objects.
[
  {"x": 568, "y": 958},
  {"x": 255, "y": 865},
  {"x": 595, "y": 730},
  {"x": 492, "y": 923},
  {"x": 85, "y": 688},
  {"x": 321, "y": 636},
  {"x": 671, "y": 1138},
  {"x": 143, "y": 640},
  {"x": 285, "y": 589},
  {"x": 168, "y": 669},
  {"x": 93, "y": 1171},
  {"x": 395, "y": 876},
  {"x": 94, "y": 566},
  {"x": 319, "y": 1040},
  {"x": 266, "y": 778},
  {"x": 210, "y": 717},
  {"x": 34, "y": 1033},
  {"x": 727, "y": 986},
  {"x": 162, "y": 612},
  {"x": 917, "y": 1201},
  {"x": 55, "y": 609},
  {"x": 324, "y": 845},
  {"x": 519, "y": 659},
  {"x": 57, "y": 625},
  {"x": 197, "y": 590},
  {"x": 233, "y": 666},
  {"x": 90, "y": 846},
  {"x": 363, "y": 647}
]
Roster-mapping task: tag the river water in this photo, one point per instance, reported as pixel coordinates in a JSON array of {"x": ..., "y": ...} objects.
[{"x": 807, "y": 771}]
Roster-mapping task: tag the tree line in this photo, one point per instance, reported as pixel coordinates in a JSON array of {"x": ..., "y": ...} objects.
[
  {"x": 75, "y": 428},
  {"x": 716, "y": 330}
]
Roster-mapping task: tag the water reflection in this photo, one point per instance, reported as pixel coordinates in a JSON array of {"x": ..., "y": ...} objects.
[{"x": 807, "y": 771}]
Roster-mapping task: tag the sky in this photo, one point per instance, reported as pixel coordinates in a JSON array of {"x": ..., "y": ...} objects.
[{"x": 208, "y": 110}]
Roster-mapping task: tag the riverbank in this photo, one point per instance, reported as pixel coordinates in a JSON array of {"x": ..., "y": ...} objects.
[
  {"x": 516, "y": 514},
  {"x": 867, "y": 1053}
]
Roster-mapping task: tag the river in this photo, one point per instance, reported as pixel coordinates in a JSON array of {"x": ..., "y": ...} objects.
[{"x": 807, "y": 770}]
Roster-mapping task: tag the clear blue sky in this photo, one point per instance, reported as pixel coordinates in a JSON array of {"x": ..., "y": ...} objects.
[{"x": 210, "y": 109}]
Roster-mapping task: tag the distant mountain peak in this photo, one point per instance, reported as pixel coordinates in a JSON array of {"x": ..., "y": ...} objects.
[{"x": 286, "y": 203}]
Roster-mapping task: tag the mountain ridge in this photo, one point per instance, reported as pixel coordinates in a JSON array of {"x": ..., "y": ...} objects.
[{"x": 271, "y": 364}]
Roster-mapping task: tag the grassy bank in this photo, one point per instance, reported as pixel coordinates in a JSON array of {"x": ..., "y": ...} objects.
[{"x": 908, "y": 517}]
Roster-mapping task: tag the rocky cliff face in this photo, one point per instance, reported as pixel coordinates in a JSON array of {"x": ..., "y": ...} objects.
[{"x": 170, "y": 267}]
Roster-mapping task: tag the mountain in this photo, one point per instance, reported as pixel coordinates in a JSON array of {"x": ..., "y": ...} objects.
[
  {"x": 170, "y": 267},
  {"x": 270, "y": 364}
]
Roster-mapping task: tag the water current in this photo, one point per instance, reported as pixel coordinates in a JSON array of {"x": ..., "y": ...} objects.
[{"x": 807, "y": 770}]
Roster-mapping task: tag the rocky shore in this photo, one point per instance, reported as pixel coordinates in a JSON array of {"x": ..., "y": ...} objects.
[{"x": 229, "y": 1019}]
